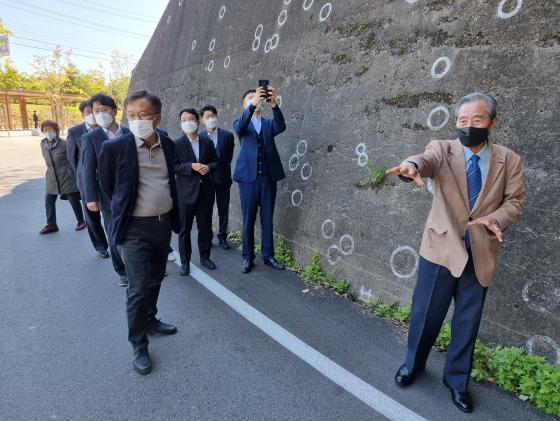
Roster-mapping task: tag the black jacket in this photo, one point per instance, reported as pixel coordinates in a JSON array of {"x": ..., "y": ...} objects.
[
  {"x": 73, "y": 147},
  {"x": 189, "y": 182},
  {"x": 92, "y": 143},
  {"x": 118, "y": 176},
  {"x": 226, "y": 144}
]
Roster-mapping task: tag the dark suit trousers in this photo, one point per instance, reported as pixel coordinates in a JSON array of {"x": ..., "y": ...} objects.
[
  {"x": 430, "y": 302},
  {"x": 118, "y": 264},
  {"x": 260, "y": 195},
  {"x": 202, "y": 209},
  {"x": 95, "y": 229},
  {"x": 222, "y": 202},
  {"x": 144, "y": 250},
  {"x": 50, "y": 207}
]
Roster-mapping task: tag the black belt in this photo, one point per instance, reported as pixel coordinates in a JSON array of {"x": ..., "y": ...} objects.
[{"x": 160, "y": 218}]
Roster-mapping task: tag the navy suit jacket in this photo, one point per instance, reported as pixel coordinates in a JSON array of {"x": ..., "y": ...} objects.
[
  {"x": 246, "y": 167},
  {"x": 73, "y": 147},
  {"x": 226, "y": 144},
  {"x": 89, "y": 157},
  {"x": 118, "y": 175},
  {"x": 189, "y": 182}
]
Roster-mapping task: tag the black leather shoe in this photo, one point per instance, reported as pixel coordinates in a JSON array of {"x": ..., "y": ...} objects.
[
  {"x": 142, "y": 363},
  {"x": 104, "y": 254},
  {"x": 247, "y": 266},
  {"x": 185, "y": 269},
  {"x": 224, "y": 244},
  {"x": 403, "y": 377},
  {"x": 273, "y": 263},
  {"x": 462, "y": 400},
  {"x": 207, "y": 263},
  {"x": 157, "y": 326}
]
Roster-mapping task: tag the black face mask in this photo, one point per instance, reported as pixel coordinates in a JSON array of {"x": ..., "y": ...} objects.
[{"x": 472, "y": 136}]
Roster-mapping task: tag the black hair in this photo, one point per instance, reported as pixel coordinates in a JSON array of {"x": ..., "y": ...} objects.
[
  {"x": 84, "y": 104},
  {"x": 208, "y": 108},
  {"x": 154, "y": 100},
  {"x": 189, "y": 111},
  {"x": 250, "y": 91},
  {"x": 105, "y": 100}
]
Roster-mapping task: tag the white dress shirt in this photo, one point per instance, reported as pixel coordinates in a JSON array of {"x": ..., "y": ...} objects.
[
  {"x": 196, "y": 147},
  {"x": 257, "y": 123},
  {"x": 111, "y": 135}
]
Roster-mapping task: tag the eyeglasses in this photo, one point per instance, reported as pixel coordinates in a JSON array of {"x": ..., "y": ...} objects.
[{"x": 141, "y": 116}]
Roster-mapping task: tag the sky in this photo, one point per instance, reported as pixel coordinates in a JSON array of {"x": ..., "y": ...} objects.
[{"x": 92, "y": 29}]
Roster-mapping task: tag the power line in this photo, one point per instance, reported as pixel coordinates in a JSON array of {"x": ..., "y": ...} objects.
[
  {"x": 60, "y": 45},
  {"x": 80, "y": 22},
  {"x": 88, "y": 3},
  {"x": 29, "y": 30},
  {"x": 79, "y": 19},
  {"x": 115, "y": 13},
  {"x": 48, "y": 49}
]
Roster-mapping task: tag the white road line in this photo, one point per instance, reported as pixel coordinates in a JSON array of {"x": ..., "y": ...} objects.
[{"x": 342, "y": 377}]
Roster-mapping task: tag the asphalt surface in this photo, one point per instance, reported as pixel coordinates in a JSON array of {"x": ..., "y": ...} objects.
[{"x": 64, "y": 353}]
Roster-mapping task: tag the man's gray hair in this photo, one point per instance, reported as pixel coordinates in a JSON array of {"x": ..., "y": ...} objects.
[{"x": 491, "y": 103}]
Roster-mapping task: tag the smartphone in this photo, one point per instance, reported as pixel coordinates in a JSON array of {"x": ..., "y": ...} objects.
[{"x": 263, "y": 83}]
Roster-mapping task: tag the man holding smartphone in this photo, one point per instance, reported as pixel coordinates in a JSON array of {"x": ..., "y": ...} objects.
[{"x": 257, "y": 171}]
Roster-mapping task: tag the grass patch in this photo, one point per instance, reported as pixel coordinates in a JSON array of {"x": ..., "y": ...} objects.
[
  {"x": 314, "y": 273},
  {"x": 362, "y": 70},
  {"x": 369, "y": 42},
  {"x": 354, "y": 30},
  {"x": 340, "y": 58},
  {"x": 234, "y": 237},
  {"x": 375, "y": 177},
  {"x": 413, "y": 100},
  {"x": 285, "y": 255}
]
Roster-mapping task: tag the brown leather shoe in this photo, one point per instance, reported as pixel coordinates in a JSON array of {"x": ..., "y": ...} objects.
[
  {"x": 48, "y": 229},
  {"x": 80, "y": 226}
]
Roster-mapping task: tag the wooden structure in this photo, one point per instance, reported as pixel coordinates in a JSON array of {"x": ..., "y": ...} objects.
[{"x": 7, "y": 96}]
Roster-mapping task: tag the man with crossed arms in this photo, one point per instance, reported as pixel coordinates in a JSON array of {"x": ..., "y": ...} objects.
[{"x": 478, "y": 192}]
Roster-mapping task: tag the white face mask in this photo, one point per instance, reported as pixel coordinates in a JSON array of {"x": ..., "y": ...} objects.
[
  {"x": 212, "y": 122},
  {"x": 90, "y": 119},
  {"x": 141, "y": 128},
  {"x": 189, "y": 126},
  {"x": 50, "y": 136},
  {"x": 104, "y": 119}
]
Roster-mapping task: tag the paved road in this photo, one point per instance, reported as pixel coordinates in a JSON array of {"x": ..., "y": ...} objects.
[{"x": 64, "y": 353}]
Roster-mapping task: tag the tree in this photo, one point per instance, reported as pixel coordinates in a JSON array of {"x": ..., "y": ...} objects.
[
  {"x": 86, "y": 83},
  {"x": 3, "y": 29},
  {"x": 10, "y": 77},
  {"x": 53, "y": 73},
  {"x": 121, "y": 68}
]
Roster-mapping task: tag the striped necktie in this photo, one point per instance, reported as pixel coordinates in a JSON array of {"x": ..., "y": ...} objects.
[{"x": 474, "y": 184}]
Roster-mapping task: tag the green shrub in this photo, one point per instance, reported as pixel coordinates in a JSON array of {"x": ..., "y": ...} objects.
[
  {"x": 234, "y": 237},
  {"x": 507, "y": 367},
  {"x": 314, "y": 273},
  {"x": 285, "y": 255},
  {"x": 542, "y": 386},
  {"x": 444, "y": 337},
  {"x": 375, "y": 177},
  {"x": 402, "y": 314},
  {"x": 481, "y": 369}
]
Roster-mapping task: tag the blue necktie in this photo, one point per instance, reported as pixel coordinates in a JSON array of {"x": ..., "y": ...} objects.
[{"x": 474, "y": 185}]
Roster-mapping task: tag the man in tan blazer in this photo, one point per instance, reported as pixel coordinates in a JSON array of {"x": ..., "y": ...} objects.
[{"x": 478, "y": 192}]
